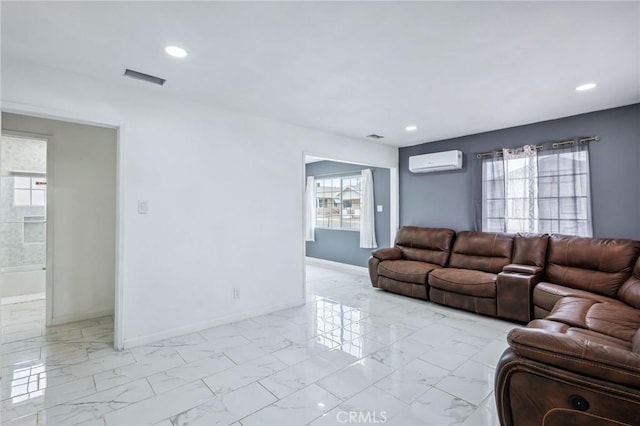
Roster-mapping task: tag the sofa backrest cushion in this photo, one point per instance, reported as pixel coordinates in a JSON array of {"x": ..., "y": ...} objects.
[
  {"x": 596, "y": 265},
  {"x": 629, "y": 292},
  {"x": 530, "y": 249},
  {"x": 431, "y": 245},
  {"x": 483, "y": 251}
]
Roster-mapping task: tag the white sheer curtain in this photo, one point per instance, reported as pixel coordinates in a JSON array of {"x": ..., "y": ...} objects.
[
  {"x": 310, "y": 210},
  {"x": 521, "y": 188},
  {"x": 367, "y": 212}
]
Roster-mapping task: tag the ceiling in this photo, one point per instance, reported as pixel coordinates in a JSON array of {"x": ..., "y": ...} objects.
[{"x": 352, "y": 68}]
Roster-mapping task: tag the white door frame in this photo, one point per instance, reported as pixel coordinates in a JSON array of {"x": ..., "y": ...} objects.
[{"x": 99, "y": 121}]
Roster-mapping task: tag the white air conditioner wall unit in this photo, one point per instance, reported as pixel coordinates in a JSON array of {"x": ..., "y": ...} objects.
[{"x": 438, "y": 161}]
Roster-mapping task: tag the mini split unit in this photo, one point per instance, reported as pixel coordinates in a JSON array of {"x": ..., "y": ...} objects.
[{"x": 436, "y": 162}]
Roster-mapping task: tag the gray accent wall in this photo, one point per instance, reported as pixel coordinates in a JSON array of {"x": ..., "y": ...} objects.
[
  {"x": 444, "y": 199},
  {"x": 344, "y": 246}
]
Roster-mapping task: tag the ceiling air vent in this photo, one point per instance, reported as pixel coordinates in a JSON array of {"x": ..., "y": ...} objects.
[
  {"x": 374, "y": 136},
  {"x": 144, "y": 77}
]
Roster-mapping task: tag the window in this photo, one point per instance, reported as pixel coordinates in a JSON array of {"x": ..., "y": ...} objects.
[
  {"x": 29, "y": 191},
  {"x": 547, "y": 193},
  {"x": 338, "y": 202}
]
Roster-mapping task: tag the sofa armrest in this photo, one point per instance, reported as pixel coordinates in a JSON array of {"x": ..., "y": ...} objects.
[
  {"x": 577, "y": 355},
  {"x": 393, "y": 253},
  {"x": 532, "y": 393},
  {"x": 514, "y": 295},
  {"x": 522, "y": 269}
]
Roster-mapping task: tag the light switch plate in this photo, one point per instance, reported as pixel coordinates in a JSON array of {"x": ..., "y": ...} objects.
[
  {"x": 379, "y": 209},
  {"x": 143, "y": 207}
]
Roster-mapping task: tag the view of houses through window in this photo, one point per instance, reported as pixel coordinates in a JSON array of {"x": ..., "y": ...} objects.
[{"x": 338, "y": 202}]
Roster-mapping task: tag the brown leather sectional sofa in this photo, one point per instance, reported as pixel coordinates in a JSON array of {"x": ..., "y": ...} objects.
[{"x": 577, "y": 362}]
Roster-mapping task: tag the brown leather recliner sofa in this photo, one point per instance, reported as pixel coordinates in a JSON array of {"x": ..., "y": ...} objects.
[
  {"x": 484, "y": 272},
  {"x": 578, "y": 360}
]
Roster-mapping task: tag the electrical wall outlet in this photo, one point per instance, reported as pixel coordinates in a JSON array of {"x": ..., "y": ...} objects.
[
  {"x": 143, "y": 207},
  {"x": 236, "y": 293},
  {"x": 379, "y": 208}
]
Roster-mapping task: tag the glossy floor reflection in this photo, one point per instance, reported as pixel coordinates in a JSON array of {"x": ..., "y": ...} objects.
[{"x": 353, "y": 354}]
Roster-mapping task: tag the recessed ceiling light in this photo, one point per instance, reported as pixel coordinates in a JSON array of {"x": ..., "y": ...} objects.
[
  {"x": 586, "y": 86},
  {"x": 411, "y": 128},
  {"x": 175, "y": 51}
]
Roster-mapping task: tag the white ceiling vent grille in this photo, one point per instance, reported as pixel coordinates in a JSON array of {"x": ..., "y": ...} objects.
[{"x": 144, "y": 77}]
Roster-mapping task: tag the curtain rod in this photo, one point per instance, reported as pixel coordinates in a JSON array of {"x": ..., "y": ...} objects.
[
  {"x": 500, "y": 153},
  {"x": 571, "y": 142},
  {"x": 554, "y": 145},
  {"x": 349, "y": 173}
]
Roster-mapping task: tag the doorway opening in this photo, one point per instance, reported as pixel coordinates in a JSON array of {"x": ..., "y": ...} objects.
[
  {"x": 23, "y": 218},
  {"x": 59, "y": 230},
  {"x": 335, "y": 262},
  {"x": 342, "y": 206}
]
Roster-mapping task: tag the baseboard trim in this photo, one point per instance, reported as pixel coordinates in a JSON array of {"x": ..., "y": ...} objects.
[
  {"x": 203, "y": 325},
  {"x": 80, "y": 317},
  {"x": 336, "y": 265}
]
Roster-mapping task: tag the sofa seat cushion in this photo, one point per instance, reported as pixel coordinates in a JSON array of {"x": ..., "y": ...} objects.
[
  {"x": 580, "y": 333},
  {"x": 410, "y": 271},
  {"x": 464, "y": 281},
  {"x": 616, "y": 320},
  {"x": 545, "y": 295}
]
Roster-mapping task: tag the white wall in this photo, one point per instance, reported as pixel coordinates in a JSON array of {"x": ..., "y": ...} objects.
[
  {"x": 81, "y": 212},
  {"x": 211, "y": 177},
  {"x": 19, "y": 283}
]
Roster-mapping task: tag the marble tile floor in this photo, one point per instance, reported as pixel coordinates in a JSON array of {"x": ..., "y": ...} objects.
[{"x": 352, "y": 355}]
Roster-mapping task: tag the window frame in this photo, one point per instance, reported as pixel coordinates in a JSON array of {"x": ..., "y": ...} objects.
[
  {"x": 32, "y": 177},
  {"x": 560, "y": 200},
  {"x": 342, "y": 178}
]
